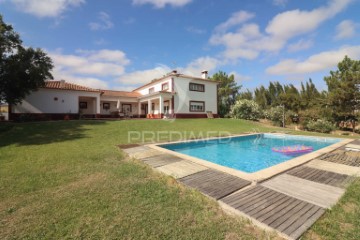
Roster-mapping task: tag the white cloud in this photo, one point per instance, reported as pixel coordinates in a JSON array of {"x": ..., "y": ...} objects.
[
  {"x": 46, "y": 8},
  {"x": 104, "y": 22},
  {"x": 315, "y": 63},
  {"x": 84, "y": 81},
  {"x": 239, "y": 78},
  {"x": 162, "y": 3},
  {"x": 300, "y": 45},
  {"x": 280, "y": 3},
  {"x": 89, "y": 67},
  {"x": 345, "y": 29},
  {"x": 144, "y": 76},
  {"x": 105, "y": 55},
  {"x": 235, "y": 19},
  {"x": 247, "y": 41},
  {"x": 194, "y": 68}
]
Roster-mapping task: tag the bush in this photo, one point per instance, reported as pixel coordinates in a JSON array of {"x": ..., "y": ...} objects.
[
  {"x": 320, "y": 125},
  {"x": 245, "y": 109},
  {"x": 275, "y": 114}
]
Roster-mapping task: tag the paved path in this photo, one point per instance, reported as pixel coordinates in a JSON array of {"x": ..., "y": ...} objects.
[{"x": 288, "y": 203}]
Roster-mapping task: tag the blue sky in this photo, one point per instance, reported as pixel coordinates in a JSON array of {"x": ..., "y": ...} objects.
[{"x": 125, "y": 43}]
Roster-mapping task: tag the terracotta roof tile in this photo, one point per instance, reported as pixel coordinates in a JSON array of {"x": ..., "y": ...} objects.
[
  {"x": 67, "y": 86},
  {"x": 119, "y": 93}
]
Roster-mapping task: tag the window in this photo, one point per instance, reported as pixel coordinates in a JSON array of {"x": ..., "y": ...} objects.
[
  {"x": 83, "y": 105},
  {"x": 153, "y": 106},
  {"x": 151, "y": 90},
  {"x": 197, "y": 87},
  {"x": 197, "y": 106},
  {"x": 106, "y": 106},
  {"x": 165, "y": 86}
]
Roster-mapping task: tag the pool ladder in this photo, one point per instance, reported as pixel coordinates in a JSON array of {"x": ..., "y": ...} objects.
[{"x": 258, "y": 135}]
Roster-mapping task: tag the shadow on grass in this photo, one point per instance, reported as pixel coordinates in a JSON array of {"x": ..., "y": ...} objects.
[{"x": 44, "y": 132}]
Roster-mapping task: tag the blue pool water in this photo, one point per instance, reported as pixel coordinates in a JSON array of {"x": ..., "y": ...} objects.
[{"x": 247, "y": 153}]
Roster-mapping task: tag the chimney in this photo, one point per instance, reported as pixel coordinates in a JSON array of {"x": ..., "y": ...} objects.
[
  {"x": 62, "y": 83},
  {"x": 204, "y": 74}
]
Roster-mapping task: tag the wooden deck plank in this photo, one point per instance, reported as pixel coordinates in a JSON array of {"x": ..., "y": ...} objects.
[
  {"x": 275, "y": 209},
  {"x": 298, "y": 232},
  {"x": 312, "y": 192},
  {"x": 320, "y": 176},
  {"x": 296, "y": 222},
  {"x": 287, "y": 219},
  {"x": 334, "y": 167},
  {"x": 214, "y": 183},
  {"x": 262, "y": 203},
  {"x": 241, "y": 196},
  {"x": 342, "y": 158},
  {"x": 292, "y": 203},
  {"x": 266, "y": 205},
  {"x": 245, "y": 200}
]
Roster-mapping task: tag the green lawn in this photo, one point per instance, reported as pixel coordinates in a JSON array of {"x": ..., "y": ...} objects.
[{"x": 68, "y": 179}]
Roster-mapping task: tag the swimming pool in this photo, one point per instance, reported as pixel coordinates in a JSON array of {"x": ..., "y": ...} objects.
[{"x": 250, "y": 153}]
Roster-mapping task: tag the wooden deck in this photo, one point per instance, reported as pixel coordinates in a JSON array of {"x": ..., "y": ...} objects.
[
  {"x": 288, "y": 203},
  {"x": 214, "y": 183},
  {"x": 321, "y": 176},
  {"x": 316, "y": 193},
  {"x": 279, "y": 211},
  {"x": 342, "y": 158}
]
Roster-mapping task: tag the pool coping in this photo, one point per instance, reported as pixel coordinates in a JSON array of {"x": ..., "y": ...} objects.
[{"x": 259, "y": 175}]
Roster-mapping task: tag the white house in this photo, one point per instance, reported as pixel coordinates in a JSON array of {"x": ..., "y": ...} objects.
[{"x": 173, "y": 95}]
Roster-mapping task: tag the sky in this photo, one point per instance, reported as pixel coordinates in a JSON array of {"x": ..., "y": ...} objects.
[{"x": 122, "y": 44}]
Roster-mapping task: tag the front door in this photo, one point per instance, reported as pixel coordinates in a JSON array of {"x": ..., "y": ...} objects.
[
  {"x": 145, "y": 109},
  {"x": 126, "y": 108}
]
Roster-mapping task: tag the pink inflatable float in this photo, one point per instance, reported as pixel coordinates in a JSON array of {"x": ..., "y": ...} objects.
[{"x": 296, "y": 149}]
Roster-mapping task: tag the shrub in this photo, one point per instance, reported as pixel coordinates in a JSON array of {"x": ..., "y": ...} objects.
[
  {"x": 245, "y": 109},
  {"x": 320, "y": 125},
  {"x": 275, "y": 114}
]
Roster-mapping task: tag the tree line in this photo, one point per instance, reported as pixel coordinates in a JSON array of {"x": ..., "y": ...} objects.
[{"x": 339, "y": 103}]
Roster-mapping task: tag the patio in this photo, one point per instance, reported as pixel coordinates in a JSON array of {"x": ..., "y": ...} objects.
[{"x": 288, "y": 203}]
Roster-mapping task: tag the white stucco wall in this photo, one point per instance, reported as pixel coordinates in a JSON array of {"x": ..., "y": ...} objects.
[
  {"x": 183, "y": 95},
  {"x": 42, "y": 101},
  {"x": 156, "y": 86}
]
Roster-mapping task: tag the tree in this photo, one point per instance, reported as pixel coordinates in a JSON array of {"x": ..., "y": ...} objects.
[
  {"x": 228, "y": 90},
  {"x": 245, "y": 95},
  {"x": 22, "y": 70},
  {"x": 343, "y": 89}
]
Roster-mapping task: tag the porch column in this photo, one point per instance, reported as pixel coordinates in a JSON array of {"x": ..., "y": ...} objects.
[
  {"x": 170, "y": 108},
  {"x": 97, "y": 105},
  {"x": 149, "y": 106},
  {"x": 139, "y": 109},
  {"x": 161, "y": 105}
]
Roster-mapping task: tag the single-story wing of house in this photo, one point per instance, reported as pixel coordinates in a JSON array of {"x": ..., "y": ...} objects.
[{"x": 173, "y": 95}]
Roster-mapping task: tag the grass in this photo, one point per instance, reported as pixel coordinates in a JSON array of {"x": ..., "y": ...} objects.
[{"x": 68, "y": 179}]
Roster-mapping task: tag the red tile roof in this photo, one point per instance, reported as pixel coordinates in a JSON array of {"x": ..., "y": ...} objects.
[
  {"x": 67, "y": 86},
  {"x": 112, "y": 93}
]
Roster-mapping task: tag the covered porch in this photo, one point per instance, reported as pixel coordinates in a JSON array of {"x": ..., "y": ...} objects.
[
  {"x": 89, "y": 106},
  {"x": 158, "y": 105}
]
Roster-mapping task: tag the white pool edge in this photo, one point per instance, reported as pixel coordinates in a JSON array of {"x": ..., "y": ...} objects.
[{"x": 259, "y": 175}]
